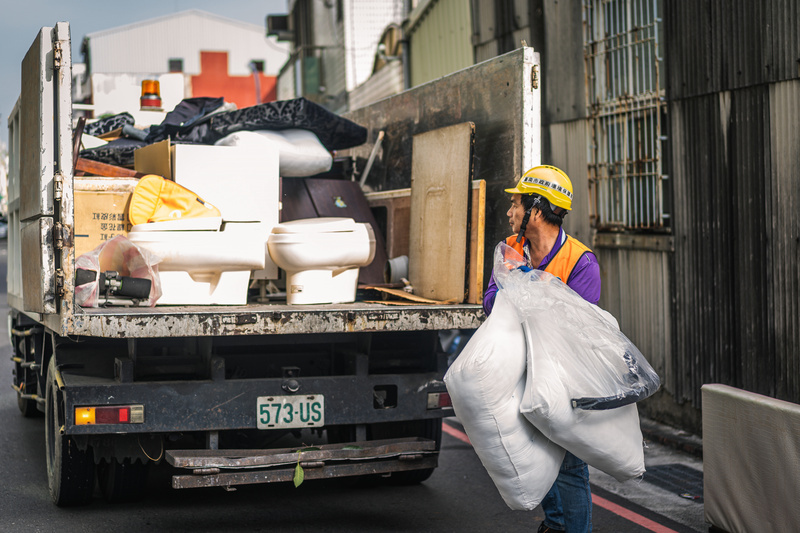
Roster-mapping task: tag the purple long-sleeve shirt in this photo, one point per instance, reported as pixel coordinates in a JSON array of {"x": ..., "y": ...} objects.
[{"x": 584, "y": 279}]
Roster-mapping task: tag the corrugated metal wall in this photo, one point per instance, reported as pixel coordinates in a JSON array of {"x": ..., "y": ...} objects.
[
  {"x": 499, "y": 26},
  {"x": 735, "y": 166},
  {"x": 719, "y": 45},
  {"x": 446, "y": 27},
  {"x": 636, "y": 291},
  {"x": 386, "y": 82},
  {"x": 785, "y": 180}
]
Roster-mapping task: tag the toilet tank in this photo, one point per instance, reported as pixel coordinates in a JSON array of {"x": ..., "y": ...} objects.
[{"x": 242, "y": 182}]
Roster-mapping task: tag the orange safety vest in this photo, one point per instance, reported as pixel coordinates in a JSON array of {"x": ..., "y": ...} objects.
[{"x": 565, "y": 259}]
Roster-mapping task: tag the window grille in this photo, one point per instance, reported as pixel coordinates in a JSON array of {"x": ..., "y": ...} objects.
[{"x": 625, "y": 103}]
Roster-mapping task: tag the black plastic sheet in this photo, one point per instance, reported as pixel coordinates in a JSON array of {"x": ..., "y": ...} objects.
[
  {"x": 333, "y": 131},
  {"x": 193, "y": 121}
]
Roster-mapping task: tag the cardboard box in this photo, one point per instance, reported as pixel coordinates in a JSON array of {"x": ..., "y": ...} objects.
[
  {"x": 242, "y": 182},
  {"x": 154, "y": 159},
  {"x": 101, "y": 211}
]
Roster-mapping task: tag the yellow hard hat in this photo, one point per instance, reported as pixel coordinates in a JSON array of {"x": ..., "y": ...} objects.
[{"x": 548, "y": 181}]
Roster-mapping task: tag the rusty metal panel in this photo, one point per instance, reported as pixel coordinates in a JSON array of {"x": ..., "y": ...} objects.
[
  {"x": 236, "y": 459},
  {"x": 37, "y": 111},
  {"x": 45, "y": 132},
  {"x": 38, "y": 274},
  {"x": 311, "y": 471},
  {"x": 498, "y": 96}
]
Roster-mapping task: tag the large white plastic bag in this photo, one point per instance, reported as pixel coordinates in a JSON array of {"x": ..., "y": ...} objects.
[
  {"x": 300, "y": 151},
  {"x": 486, "y": 383},
  {"x": 576, "y": 351},
  {"x": 609, "y": 440}
]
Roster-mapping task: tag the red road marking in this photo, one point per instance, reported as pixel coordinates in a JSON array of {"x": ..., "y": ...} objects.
[
  {"x": 630, "y": 515},
  {"x": 453, "y": 432},
  {"x": 627, "y": 514}
]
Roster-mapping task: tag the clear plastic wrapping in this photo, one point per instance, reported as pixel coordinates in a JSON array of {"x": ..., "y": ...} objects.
[
  {"x": 121, "y": 256},
  {"x": 599, "y": 366}
]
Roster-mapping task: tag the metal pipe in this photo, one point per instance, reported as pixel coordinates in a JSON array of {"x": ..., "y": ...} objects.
[
  {"x": 26, "y": 396},
  {"x": 59, "y": 379},
  {"x": 26, "y": 332},
  {"x": 371, "y": 158}
]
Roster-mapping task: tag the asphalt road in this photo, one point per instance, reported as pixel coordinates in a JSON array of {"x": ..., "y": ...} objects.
[{"x": 459, "y": 497}]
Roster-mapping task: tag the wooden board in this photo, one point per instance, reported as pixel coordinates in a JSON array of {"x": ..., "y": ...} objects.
[
  {"x": 476, "y": 242},
  {"x": 392, "y": 210},
  {"x": 395, "y": 208},
  {"x": 441, "y": 173}
]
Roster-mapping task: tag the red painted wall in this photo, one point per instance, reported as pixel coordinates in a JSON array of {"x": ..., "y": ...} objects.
[{"x": 214, "y": 81}]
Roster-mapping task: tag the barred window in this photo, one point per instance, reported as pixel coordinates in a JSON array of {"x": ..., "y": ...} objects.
[{"x": 625, "y": 94}]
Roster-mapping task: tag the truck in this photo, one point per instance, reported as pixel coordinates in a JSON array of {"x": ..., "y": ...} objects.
[{"x": 123, "y": 388}]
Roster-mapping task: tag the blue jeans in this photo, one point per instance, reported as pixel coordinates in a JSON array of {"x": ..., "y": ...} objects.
[{"x": 568, "y": 505}]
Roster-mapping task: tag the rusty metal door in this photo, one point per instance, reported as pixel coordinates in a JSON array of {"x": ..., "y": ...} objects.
[{"x": 45, "y": 161}]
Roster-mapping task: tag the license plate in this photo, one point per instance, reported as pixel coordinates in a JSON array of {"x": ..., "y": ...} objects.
[{"x": 297, "y": 411}]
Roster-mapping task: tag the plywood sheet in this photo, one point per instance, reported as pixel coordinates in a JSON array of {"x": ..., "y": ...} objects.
[
  {"x": 396, "y": 208},
  {"x": 392, "y": 209},
  {"x": 441, "y": 173}
]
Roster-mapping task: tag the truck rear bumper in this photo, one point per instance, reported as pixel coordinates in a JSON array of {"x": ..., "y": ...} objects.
[{"x": 224, "y": 468}]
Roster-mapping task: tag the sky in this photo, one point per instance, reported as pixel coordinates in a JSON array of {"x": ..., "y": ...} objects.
[{"x": 20, "y": 21}]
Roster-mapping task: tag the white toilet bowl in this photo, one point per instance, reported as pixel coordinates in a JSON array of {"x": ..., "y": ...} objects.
[
  {"x": 203, "y": 260},
  {"x": 321, "y": 257}
]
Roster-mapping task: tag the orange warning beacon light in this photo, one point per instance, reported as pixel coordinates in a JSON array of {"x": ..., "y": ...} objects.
[{"x": 151, "y": 96}]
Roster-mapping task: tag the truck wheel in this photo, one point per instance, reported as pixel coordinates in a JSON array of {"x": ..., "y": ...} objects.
[
  {"x": 124, "y": 481},
  {"x": 27, "y": 407},
  {"x": 70, "y": 471},
  {"x": 427, "y": 429}
]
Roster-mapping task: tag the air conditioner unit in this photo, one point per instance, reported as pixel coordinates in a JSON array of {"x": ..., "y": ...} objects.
[{"x": 278, "y": 25}]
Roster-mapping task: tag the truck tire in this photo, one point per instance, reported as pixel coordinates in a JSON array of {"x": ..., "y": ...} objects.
[
  {"x": 124, "y": 481},
  {"x": 27, "y": 407},
  {"x": 70, "y": 470},
  {"x": 427, "y": 429}
]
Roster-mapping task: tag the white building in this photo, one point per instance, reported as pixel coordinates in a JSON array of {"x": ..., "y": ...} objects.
[{"x": 191, "y": 53}]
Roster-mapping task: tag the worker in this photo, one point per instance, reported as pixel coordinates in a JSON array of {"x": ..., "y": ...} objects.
[{"x": 539, "y": 203}]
